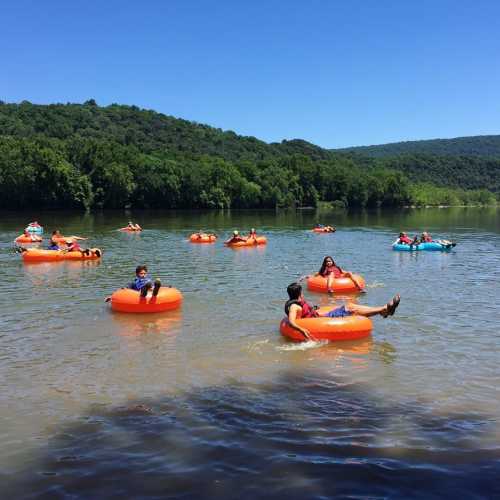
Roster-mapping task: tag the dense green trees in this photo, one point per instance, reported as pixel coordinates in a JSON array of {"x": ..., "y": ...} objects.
[
  {"x": 481, "y": 145},
  {"x": 83, "y": 156}
]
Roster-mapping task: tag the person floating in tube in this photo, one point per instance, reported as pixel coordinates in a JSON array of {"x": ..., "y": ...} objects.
[
  {"x": 235, "y": 238},
  {"x": 133, "y": 227},
  {"x": 142, "y": 283},
  {"x": 296, "y": 307},
  {"x": 34, "y": 238},
  {"x": 331, "y": 271}
]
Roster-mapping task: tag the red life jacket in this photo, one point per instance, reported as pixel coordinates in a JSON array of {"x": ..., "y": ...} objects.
[
  {"x": 337, "y": 272},
  {"x": 405, "y": 239},
  {"x": 307, "y": 310},
  {"x": 427, "y": 239}
]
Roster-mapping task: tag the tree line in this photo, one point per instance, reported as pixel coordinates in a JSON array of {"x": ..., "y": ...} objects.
[{"x": 85, "y": 156}]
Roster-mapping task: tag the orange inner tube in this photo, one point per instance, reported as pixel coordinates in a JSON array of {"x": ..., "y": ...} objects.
[
  {"x": 130, "y": 301},
  {"x": 128, "y": 230},
  {"x": 318, "y": 284},
  {"x": 249, "y": 242},
  {"x": 324, "y": 328},
  {"x": 26, "y": 239},
  {"x": 37, "y": 255},
  {"x": 202, "y": 238},
  {"x": 323, "y": 230}
]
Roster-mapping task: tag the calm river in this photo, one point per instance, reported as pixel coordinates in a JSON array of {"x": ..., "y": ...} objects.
[{"x": 210, "y": 401}]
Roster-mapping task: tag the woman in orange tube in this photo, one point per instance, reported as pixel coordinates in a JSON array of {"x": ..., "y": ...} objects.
[{"x": 331, "y": 271}]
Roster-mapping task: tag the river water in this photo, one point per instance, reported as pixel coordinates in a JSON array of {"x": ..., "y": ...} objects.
[{"x": 210, "y": 401}]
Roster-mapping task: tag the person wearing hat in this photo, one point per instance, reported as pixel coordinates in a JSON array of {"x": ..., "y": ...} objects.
[
  {"x": 72, "y": 246},
  {"x": 235, "y": 238}
]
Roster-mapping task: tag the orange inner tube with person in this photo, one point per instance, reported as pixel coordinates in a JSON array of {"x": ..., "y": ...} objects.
[
  {"x": 131, "y": 301},
  {"x": 344, "y": 284},
  {"x": 203, "y": 238},
  {"x": 245, "y": 243},
  {"x": 27, "y": 239},
  {"x": 325, "y": 328},
  {"x": 259, "y": 240},
  {"x": 249, "y": 242},
  {"x": 38, "y": 255}
]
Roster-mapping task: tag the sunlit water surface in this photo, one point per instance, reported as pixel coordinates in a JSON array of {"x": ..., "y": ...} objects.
[{"x": 210, "y": 401}]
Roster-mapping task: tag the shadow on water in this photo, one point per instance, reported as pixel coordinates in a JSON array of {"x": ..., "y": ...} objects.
[{"x": 307, "y": 436}]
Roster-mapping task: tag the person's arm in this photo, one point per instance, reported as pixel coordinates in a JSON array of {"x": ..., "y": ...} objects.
[{"x": 292, "y": 316}]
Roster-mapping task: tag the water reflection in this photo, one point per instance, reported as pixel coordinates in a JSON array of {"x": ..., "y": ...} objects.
[
  {"x": 298, "y": 436},
  {"x": 132, "y": 325}
]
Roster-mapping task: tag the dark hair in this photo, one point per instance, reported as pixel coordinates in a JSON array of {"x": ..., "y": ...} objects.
[
  {"x": 323, "y": 266},
  {"x": 294, "y": 290},
  {"x": 55, "y": 232},
  {"x": 138, "y": 269}
]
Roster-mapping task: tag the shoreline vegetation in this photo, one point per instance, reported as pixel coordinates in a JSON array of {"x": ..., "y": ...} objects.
[
  {"x": 327, "y": 206},
  {"x": 82, "y": 156}
]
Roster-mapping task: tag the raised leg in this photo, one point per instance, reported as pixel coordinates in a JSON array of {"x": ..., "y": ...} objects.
[
  {"x": 156, "y": 288},
  {"x": 145, "y": 289},
  {"x": 387, "y": 310}
]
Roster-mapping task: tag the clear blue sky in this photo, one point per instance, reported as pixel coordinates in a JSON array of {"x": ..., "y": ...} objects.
[{"x": 336, "y": 73}]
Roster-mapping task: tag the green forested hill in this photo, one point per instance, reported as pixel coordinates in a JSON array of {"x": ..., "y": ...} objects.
[
  {"x": 480, "y": 145},
  {"x": 147, "y": 130},
  {"x": 83, "y": 155}
]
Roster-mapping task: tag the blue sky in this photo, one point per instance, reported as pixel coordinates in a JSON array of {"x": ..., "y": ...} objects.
[{"x": 336, "y": 73}]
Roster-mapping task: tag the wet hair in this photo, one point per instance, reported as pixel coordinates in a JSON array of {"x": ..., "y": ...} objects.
[
  {"x": 294, "y": 290},
  {"x": 323, "y": 266},
  {"x": 138, "y": 269},
  {"x": 55, "y": 232}
]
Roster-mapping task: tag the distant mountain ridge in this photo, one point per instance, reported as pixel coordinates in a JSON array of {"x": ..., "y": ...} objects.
[{"x": 478, "y": 145}]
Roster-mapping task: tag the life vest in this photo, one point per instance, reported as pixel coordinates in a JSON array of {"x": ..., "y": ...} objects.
[
  {"x": 405, "y": 240},
  {"x": 337, "y": 272},
  {"x": 139, "y": 283},
  {"x": 427, "y": 239},
  {"x": 307, "y": 310}
]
